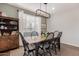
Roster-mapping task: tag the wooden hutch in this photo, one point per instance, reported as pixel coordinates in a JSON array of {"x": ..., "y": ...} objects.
[{"x": 9, "y": 39}]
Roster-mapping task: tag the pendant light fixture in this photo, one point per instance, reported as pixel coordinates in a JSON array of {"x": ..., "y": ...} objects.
[{"x": 42, "y": 12}]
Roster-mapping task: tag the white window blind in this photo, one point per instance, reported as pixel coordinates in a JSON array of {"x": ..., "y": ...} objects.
[{"x": 29, "y": 23}]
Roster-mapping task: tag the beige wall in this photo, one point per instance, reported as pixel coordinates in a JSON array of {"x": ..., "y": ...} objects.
[
  {"x": 9, "y": 10},
  {"x": 68, "y": 23}
]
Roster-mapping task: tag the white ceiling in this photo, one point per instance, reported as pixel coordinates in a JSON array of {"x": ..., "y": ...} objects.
[{"x": 59, "y": 7}]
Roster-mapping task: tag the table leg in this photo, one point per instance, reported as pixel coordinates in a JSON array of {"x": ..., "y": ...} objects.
[{"x": 36, "y": 49}]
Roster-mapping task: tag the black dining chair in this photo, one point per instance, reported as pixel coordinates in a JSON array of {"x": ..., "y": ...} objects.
[
  {"x": 50, "y": 38},
  {"x": 46, "y": 44},
  {"x": 40, "y": 46},
  {"x": 56, "y": 42},
  {"x": 27, "y": 50},
  {"x": 37, "y": 45}
]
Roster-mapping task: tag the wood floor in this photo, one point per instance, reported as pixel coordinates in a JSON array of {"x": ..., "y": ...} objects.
[{"x": 66, "y": 50}]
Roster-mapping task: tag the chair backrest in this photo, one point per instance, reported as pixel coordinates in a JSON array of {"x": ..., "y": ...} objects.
[
  {"x": 50, "y": 35},
  {"x": 25, "y": 44},
  {"x": 60, "y": 34},
  {"x": 56, "y": 33},
  {"x": 42, "y": 33}
]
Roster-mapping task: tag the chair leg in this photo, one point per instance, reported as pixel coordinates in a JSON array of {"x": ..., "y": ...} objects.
[
  {"x": 55, "y": 49},
  {"x": 33, "y": 53},
  {"x": 50, "y": 50},
  {"x": 43, "y": 52},
  {"x": 58, "y": 44},
  {"x": 24, "y": 53}
]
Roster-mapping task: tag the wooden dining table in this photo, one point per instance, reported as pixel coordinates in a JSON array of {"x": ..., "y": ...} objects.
[{"x": 36, "y": 40}]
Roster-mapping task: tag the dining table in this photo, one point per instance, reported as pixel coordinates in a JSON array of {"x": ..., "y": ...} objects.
[{"x": 36, "y": 40}]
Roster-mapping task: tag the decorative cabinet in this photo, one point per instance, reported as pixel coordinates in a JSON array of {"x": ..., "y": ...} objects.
[{"x": 9, "y": 39}]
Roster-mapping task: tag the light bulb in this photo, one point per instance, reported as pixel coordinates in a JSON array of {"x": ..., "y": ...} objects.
[{"x": 53, "y": 8}]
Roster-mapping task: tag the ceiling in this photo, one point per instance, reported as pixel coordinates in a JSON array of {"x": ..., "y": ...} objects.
[{"x": 58, "y": 7}]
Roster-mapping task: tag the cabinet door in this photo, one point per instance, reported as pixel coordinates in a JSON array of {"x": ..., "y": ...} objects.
[
  {"x": 4, "y": 43},
  {"x": 13, "y": 42},
  {"x": 8, "y": 42}
]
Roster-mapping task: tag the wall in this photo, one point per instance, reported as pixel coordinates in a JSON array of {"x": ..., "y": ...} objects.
[
  {"x": 68, "y": 23},
  {"x": 9, "y": 10}
]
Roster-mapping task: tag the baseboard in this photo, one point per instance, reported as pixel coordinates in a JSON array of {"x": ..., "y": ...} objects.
[{"x": 70, "y": 44}]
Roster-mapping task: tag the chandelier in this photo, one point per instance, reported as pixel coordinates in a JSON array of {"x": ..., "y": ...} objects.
[{"x": 42, "y": 12}]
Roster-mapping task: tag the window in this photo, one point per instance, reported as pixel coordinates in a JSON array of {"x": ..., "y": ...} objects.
[{"x": 29, "y": 23}]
